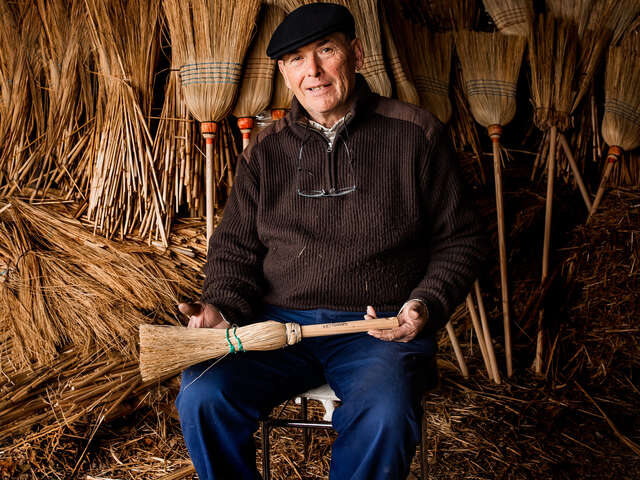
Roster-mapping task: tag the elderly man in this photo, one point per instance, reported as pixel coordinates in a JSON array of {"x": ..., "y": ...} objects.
[{"x": 351, "y": 201}]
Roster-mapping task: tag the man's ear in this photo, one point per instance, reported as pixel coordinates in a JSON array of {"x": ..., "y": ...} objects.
[
  {"x": 358, "y": 51},
  {"x": 284, "y": 75}
]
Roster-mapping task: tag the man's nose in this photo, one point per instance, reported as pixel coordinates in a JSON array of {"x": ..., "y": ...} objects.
[{"x": 313, "y": 66}]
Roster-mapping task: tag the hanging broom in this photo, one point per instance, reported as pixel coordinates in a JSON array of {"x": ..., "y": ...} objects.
[
  {"x": 430, "y": 61},
  {"x": 512, "y": 17},
  {"x": 405, "y": 89},
  {"x": 282, "y": 96},
  {"x": 167, "y": 350},
  {"x": 621, "y": 121},
  {"x": 552, "y": 54},
  {"x": 210, "y": 37},
  {"x": 257, "y": 77},
  {"x": 490, "y": 67}
]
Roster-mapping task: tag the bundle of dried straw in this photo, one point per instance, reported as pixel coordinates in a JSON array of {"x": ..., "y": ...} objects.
[
  {"x": 124, "y": 186},
  {"x": 257, "y": 76},
  {"x": 65, "y": 286},
  {"x": 490, "y": 67},
  {"x": 282, "y": 96}
]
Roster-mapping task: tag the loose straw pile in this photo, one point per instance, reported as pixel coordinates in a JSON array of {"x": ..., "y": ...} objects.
[
  {"x": 621, "y": 121},
  {"x": 209, "y": 39},
  {"x": 490, "y": 65},
  {"x": 65, "y": 286}
]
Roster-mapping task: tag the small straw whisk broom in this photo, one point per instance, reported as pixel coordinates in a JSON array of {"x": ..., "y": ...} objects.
[
  {"x": 490, "y": 67},
  {"x": 210, "y": 39},
  {"x": 167, "y": 350}
]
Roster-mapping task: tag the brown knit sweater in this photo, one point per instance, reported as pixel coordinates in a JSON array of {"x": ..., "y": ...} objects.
[{"x": 407, "y": 231}]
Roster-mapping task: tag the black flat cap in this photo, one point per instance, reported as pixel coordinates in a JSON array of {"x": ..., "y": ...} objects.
[{"x": 307, "y": 24}]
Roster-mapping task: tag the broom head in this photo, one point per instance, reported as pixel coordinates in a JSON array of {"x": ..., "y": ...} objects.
[
  {"x": 167, "y": 350},
  {"x": 621, "y": 121},
  {"x": 490, "y": 67}
]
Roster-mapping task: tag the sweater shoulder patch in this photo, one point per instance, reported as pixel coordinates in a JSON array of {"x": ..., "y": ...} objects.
[
  {"x": 408, "y": 112},
  {"x": 275, "y": 128}
]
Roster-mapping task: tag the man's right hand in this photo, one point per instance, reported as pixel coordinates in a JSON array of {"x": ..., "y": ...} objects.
[{"x": 203, "y": 315}]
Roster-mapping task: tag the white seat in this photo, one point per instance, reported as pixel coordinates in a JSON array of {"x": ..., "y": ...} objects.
[{"x": 325, "y": 395}]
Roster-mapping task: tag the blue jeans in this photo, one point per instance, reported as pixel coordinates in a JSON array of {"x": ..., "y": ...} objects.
[{"x": 379, "y": 383}]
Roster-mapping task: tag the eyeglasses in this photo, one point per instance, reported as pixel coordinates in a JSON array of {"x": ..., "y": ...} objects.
[{"x": 310, "y": 183}]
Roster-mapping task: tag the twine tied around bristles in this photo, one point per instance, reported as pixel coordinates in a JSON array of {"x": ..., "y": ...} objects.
[
  {"x": 623, "y": 110},
  {"x": 494, "y": 88},
  {"x": 210, "y": 73}
]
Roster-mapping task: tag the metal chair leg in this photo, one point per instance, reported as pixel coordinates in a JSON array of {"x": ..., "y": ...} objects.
[
  {"x": 305, "y": 431},
  {"x": 266, "y": 430}
]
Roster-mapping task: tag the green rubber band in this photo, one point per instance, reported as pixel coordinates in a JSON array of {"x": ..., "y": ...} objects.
[
  {"x": 240, "y": 347},
  {"x": 232, "y": 349}
]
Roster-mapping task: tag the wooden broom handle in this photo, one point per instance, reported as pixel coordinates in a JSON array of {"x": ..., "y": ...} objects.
[{"x": 338, "y": 328}]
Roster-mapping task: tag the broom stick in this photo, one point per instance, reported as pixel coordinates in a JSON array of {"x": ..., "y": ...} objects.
[
  {"x": 166, "y": 350},
  {"x": 576, "y": 171},
  {"x": 490, "y": 66},
  {"x": 457, "y": 350},
  {"x": 478, "y": 329},
  {"x": 487, "y": 333}
]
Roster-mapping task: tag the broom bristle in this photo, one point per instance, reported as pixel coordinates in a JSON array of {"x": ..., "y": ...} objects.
[
  {"x": 405, "y": 89},
  {"x": 211, "y": 37},
  {"x": 552, "y": 56},
  {"x": 430, "y": 63},
  {"x": 282, "y": 96},
  {"x": 167, "y": 350},
  {"x": 512, "y": 17},
  {"x": 257, "y": 78},
  {"x": 621, "y": 121},
  {"x": 490, "y": 67}
]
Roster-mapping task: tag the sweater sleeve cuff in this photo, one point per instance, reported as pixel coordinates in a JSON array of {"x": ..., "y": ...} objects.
[{"x": 436, "y": 316}]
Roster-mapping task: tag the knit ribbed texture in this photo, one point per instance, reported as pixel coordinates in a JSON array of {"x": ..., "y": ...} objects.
[{"x": 407, "y": 231}]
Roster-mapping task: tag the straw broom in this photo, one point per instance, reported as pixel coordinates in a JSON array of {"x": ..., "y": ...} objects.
[
  {"x": 621, "y": 121},
  {"x": 430, "y": 63},
  {"x": 282, "y": 96},
  {"x": 167, "y": 350},
  {"x": 257, "y": 77},
  {"x": 490, "y": 67},
  {"x": 552, "y": 54},
  {"x": 210, "y": 39},
  {"x": 512, "y": 17},
  {"x": 405, "y": 89},
  {"x": 365, "y": 14}
]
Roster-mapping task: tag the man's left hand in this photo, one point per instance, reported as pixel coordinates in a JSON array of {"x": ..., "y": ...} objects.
[{"x": 412, "y": 318}]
